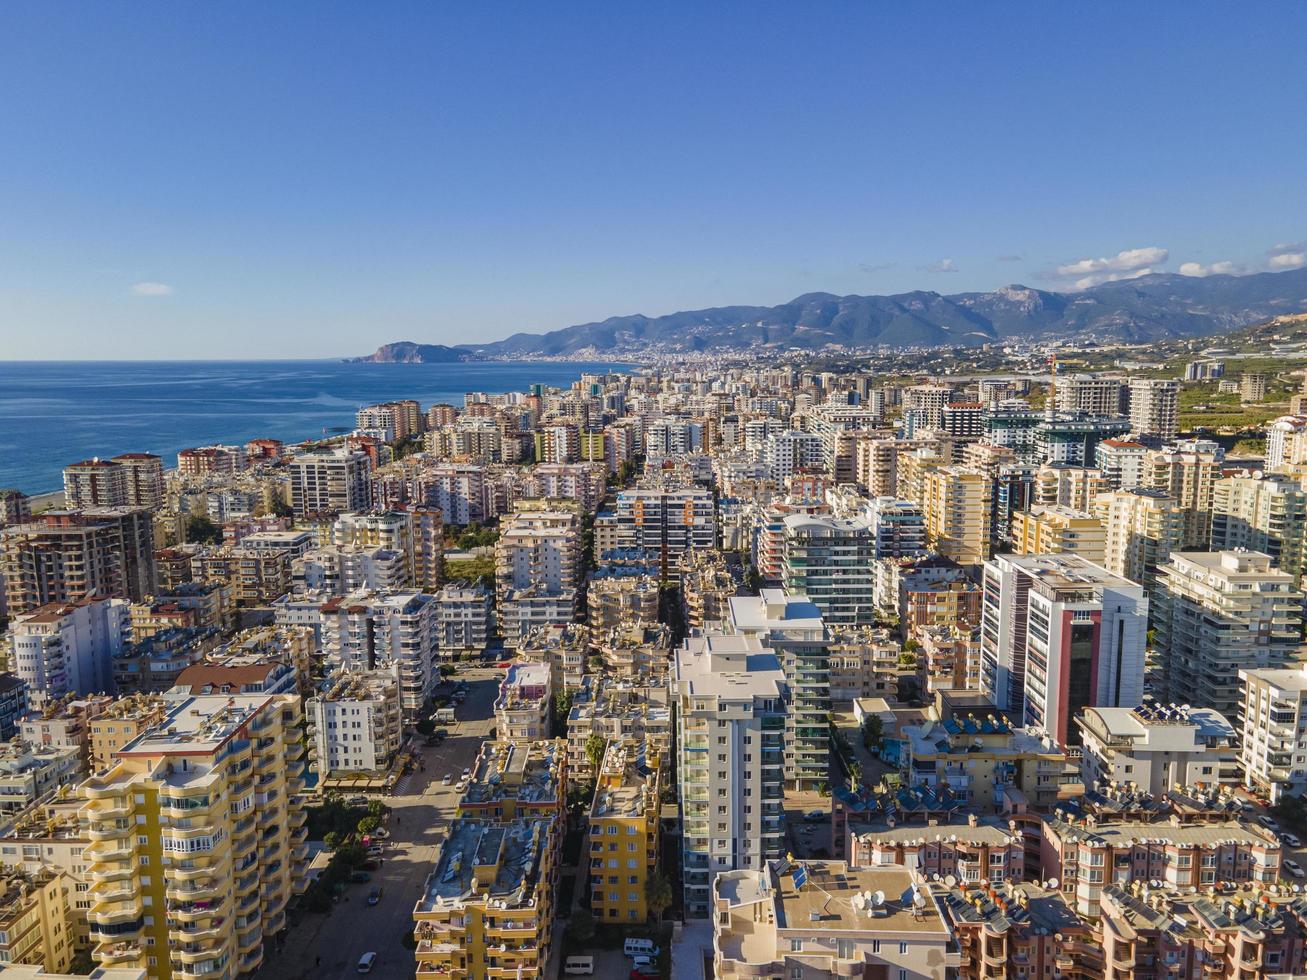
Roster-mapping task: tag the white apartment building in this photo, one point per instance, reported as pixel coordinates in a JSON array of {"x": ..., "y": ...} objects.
[
  {"x": 1141, "y": 529},
  {"x": 829, "y": 559},
  {"x": 465, "y": 618},
  {"x": 68, "y": 647},
  {"x": 458, "y": 489},
  {"x": 355, "y": 722},
  {"x": 341, "y": 569},
  {"x": 1218, "y": 613},
  {"x": 1286, "y": 442},
  {"x": 330, "y": 481},
  {"x": 526, "y": 696},
  {"x": 790, "y": 452},
  {"x": 366, "y": 630},
  {"x": 1123, "y": 463},
  {"x": 1157, "y": 747},
  {"x": 1273, "y": 729},
  {"x": 1088, "y": 394},
  {"x": 1154, "y": 409},
  {"x": 898, "y": 527},
  {"x": 731, "y": 698}
]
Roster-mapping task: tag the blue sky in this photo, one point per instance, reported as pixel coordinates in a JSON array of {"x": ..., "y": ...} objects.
[{"x": 259, "y": 180}]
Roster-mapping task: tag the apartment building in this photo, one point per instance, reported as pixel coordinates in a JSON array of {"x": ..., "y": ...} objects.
[
  {"x": 1286, "y": 442},
  {"x": 366, "y": 630},
  {"x": 330, "y": 481},
  {"x": 66, "y": 555},
  {"x": 829, "y": 560},
  {"x": 616, "y": 710},
  {"x": 458, "y": 490},
  {"x": 1273, "y": 730},
  {"x": 465, "y": 619},
  {"x": 707, "y": 585},
  {"x": 517, "y": 781},
  {"x": 1262, "y": 512},
  {"x": 1059, "y": 634},
  {"x": 1123, "y": 463},
  {"x": 47, "y": 840},
  {"x": 624, "y": 831},
  {"x": 806, "y": 919},
  {"x": 537, "y": 569},
  {"x": 1248, "y": 932},
  {"x": 862, "y": 662},
  {"x": 898, "y": 527},
  {"x": 1141, "y": 529},
  {"x": 65, "y": 648},
  {"x": 522, "y": 708},
  {"x": 28, "y": 772},
  {"x": 1154, "y": 409},
  {"x": 1187, "y": 472},
  {"x": 36, "y": 920},
  {"x": 123, "y": 720},
  {"x": 355, "y": 723},
  {"x": 1068, "y": 485},
  {"x": 564, "y": 647},
  {"x": 255, "y": 575},
  {"x": 1156, "y": 747},
  {"x": 731, "y": 702},
  {"x": 13, "y": 704},
  {"x": 792, "y": 627},
  {"x": 198, "y": 838},
  {"x": 95, "y": 483},
  {"x": 957, "y": 503},
  {"x": 621, "y": 596},
  {"x": 669, "y": 521},
  {"x": 791, "y": 452},
  {"x": 1218, "y": 613},
  {"x": 205, "y": 461},
  {"x": 15, "y": 508},
  {"x": 1056, "y": 530},
  {"x": 1088, "y": 395},
  {"x": 1089, "y": 854},
  {"x": 876, "y": 465},
  {"x": 153, "y": 665},
  {"x": 486, "y": 910},
  {"x": 340, "y": 569}
]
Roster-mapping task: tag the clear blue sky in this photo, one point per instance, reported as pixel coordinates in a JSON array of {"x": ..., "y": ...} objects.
[{"x": 281, "y": 179}]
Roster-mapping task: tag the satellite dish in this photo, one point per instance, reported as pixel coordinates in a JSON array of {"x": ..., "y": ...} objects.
[
  {"x": 984, "y": 882},
  {"x": 877, "y": 899},
  {"x": 859, "y": 902},
  {"x": 1051, "y": 883},
  {"x": 935, "y": 876},
  {"x": 919, "y": 901},
  {"x": 950, "y": 880}
]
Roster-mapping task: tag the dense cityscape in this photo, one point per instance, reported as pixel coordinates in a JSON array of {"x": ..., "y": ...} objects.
[{"x": 964, "y": 662}]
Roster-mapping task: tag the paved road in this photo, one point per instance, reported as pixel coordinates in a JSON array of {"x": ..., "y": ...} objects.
[{"x": 420, "y": 813}]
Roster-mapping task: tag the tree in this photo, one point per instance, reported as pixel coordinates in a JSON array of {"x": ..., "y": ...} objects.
[
  {"x": 594, "y": 750},
  {"x": 911, "y": 646},
  {"x": 425, "y": 727},
  {"x": 332, "y": 840},
  {"x": 279, "y": 508},
  {"x": 657, "y": 895},
  {"x": 562, "y": 708},
  {"x": 368, "y": 824},
  {"x": 581, "y": 928},
  {"x": 201, "y": 530},
  {"x": 376, "y": 809}
]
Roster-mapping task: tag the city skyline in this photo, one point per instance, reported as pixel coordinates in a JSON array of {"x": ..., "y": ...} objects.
[{"x": 193, "y": 183}]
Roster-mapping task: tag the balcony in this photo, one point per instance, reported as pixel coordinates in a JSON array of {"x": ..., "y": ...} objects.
[{"x": 117, "y": 954}]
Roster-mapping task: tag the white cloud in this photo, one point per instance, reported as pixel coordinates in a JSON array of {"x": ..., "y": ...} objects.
[
  {"x": 152, "y": 289},
  {"x": 1287, "y": 255},
  {"x": 943, "y": 265},
  {"x": 1215, "y": 269},
  {"x": 1130, "y": 263}
]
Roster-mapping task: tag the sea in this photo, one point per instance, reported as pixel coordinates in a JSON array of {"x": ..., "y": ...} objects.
[{"x": 53, "y": 413}]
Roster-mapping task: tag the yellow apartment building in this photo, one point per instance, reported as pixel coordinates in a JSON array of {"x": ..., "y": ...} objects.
[{"x": 624, "y": 831}]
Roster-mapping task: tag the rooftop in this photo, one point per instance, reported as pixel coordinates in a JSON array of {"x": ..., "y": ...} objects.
[
  {"x": 528, "y": 772},
  {"x": 480, "y": 860}
]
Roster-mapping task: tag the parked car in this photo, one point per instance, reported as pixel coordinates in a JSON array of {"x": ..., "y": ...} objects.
[
  {"x": 814, "y": 816},
  {"x": 1293, "y": 840},
  {"x": 1294, "y": 868},
  {"x": 467, "y": 773},
  {"x": 374, "y": 896},
  {"x": 366, "y": 962},
  {"x": 1268, "y": 822},
  {"x": 448, "y": 778},
  {"x": 358, "y": 799}
]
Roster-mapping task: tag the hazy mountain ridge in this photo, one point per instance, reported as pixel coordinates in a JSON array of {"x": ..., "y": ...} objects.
[{"x": 1152, "y": 307}]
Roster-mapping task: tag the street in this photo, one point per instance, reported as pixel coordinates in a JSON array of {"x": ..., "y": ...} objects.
[{"x": 420, "y": 812}]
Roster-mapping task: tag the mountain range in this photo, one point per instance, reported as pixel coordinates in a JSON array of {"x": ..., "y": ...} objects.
[{"x": 1152, "y": 307}]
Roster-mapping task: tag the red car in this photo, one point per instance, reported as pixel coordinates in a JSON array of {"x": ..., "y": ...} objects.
[
  {"x": 641, "y": 975},
  {"x": 505, "y": 664}
]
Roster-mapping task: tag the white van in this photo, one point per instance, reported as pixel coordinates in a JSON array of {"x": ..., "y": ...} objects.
[
  {"x": 366, "y": 962},
  {"x": 645, "y": 964},
  {"x": 640, "y": 947},
  {"x": 579, "y": 966}
]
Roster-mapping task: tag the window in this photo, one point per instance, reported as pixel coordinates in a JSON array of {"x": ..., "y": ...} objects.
[{"x": 796, "y": 945}]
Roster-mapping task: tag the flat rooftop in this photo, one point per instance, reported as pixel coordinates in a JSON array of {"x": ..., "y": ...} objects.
[{"x": 508, "y": 857}]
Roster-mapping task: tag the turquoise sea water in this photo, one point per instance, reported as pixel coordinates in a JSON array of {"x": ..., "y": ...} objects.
[{"x": 53, "y": 413}]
